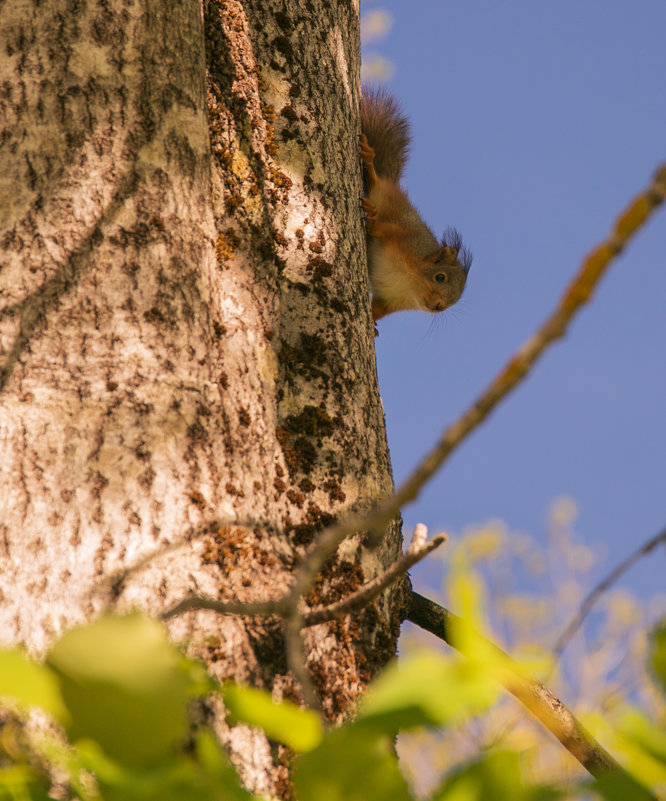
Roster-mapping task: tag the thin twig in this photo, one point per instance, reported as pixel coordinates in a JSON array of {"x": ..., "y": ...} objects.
[
  {"x": 600, "y": 589},
  {"x": 296, "y": 621},
  {"x": 538, "y": 699},
  {"x": 372, "y": 589},
  {"x": 283, "y": 607},
  {"x": 249, "y": 608},
  {"x": 296, "y": 659},
  {"x": 290, "y": 607},
  {"x": 376, "y": 520},
  {"x": 576, "y": 295},
  {"x": 292, "y": 636}
]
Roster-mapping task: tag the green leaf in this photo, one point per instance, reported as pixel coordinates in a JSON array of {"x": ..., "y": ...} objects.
[
  {"x": 426, "y": 689},
  {"x": 351, "y": 764},
  {"x": 494, "y": 777},
  {"x": 467, "y": 590},
  {"x": 21, "y": 783},
  {"x": 209, "y": 777},
  {"x": 300, "y": 729},
  {"x": 30, "y": 684},
  {"x": 125, "y": 687},
  {"x": 621, "y": 787},
  {"x": 629, "y": 735},
  {"x": 635, "y": 725}
]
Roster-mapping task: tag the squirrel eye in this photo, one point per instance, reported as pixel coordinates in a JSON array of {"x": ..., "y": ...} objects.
[{"x": 441, "y": 278}]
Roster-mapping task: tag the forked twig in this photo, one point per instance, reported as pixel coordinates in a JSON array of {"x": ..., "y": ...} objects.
[
  {"x": 298, "y": 616},
  {"x": 283, "y": 607},
  {"x": 368, "y": 592}
]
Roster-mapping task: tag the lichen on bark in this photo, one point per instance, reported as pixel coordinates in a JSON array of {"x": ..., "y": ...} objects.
[{"x": 188, "y": 387}]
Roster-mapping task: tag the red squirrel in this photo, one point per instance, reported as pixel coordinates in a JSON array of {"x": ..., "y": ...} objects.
[{"x": 409, "y": 267}]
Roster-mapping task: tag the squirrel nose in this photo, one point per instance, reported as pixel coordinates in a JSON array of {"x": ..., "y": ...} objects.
[{"x": 439, "y": 307}]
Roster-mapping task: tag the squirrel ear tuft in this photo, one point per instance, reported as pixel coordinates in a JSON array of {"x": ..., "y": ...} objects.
[{"x": 453, "y": 241}]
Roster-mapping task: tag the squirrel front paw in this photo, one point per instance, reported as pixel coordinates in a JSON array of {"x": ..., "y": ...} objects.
[
  {"x": 370, "y": 213},
  {"x": 367, "y": 154}
]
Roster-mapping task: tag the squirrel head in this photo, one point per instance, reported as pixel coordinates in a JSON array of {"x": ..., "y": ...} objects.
[{"x": 445, "y": 272}]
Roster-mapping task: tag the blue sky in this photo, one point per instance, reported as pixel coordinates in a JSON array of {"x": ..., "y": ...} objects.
[{"x": 534, "y": 124}]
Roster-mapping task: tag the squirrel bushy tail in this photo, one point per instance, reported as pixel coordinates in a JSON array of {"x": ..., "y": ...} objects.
[
  {"x": 409, "y": 267},
  {"x": 387, "y": 131}
]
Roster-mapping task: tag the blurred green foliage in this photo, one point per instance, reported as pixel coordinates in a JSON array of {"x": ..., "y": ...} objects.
[
  {"x": 523, "y": 594},
  {"x": 117, "y": 695},
  {"x": 106, "y": 716}
]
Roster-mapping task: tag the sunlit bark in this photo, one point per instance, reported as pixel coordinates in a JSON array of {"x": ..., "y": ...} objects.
[{"x": 186, "y": 344}]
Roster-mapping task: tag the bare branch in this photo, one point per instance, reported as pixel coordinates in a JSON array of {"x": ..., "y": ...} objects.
[
  {"x": 600, "y": 589},
  {"x": 375, "y": 521},
  {"x": 296, "y": 659},
  {"x": 418, "y": 550},
  {"x": 538, "y": 699},
  {"x": 284, "y": 608},
  {"x": 249, "y": 608},
  {"x": 576, "y": 295},
  {"x": 296, "y": 620}
]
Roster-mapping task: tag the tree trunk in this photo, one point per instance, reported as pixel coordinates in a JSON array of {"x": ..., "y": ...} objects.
[{"x": 187, "y": 388}]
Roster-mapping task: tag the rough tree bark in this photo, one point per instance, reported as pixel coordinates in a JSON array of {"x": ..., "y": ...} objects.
[{"x": 187, "y": 350}]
